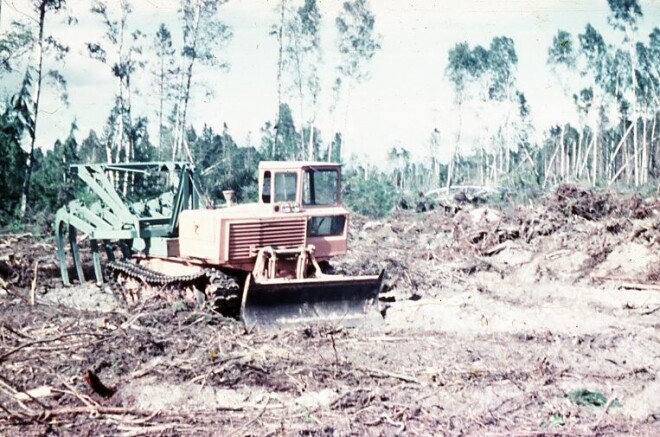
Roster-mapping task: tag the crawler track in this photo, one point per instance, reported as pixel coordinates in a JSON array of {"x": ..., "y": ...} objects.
[{"x": 210, "y": 285}]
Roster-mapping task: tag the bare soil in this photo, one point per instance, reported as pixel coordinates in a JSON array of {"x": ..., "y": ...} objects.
[{"x": 532, "y": 320}]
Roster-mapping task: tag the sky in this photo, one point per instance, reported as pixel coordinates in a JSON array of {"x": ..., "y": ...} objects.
[{"x": 405, "y": 99}]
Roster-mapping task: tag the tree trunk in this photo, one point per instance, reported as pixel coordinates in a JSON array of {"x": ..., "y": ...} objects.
[
  {"x": 562, "y": 167},
  {"x": 301, "y": 97},
  {"x": 548, "y": 169},
  {"x": 185, "y": 95},
  {"x": 653, "y": 147},
  {"x": 452, "y": 154},
  {"x": 633, "y": 64},
  {"x": 35, "y": 107},
  {"x": 645, "y": 150},
  {"x": 279, "y": 79},
  {"x": 595, "y": 158},
  {"x": 123, "y": 107},
  {"x": 310, "y": 146},
  {"x": 160, "y": 109},
  {"x": 612, "y": 163},
  {"x": 575, "y": 151}
]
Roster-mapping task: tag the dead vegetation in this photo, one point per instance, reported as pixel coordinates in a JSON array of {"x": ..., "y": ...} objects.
[{"x": 535, "y": 320}]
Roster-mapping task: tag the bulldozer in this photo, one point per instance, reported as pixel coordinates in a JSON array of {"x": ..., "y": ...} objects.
[{"x": 266, "y": 263}]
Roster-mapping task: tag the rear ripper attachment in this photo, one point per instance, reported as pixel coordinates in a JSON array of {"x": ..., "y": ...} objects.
[{"x": 147, "y": 227}]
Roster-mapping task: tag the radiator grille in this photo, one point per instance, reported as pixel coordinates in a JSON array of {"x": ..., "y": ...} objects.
[{"x": 288, "y": 232}]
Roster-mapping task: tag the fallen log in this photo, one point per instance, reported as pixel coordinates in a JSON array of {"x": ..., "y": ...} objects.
[{"x": 629, "y": 283}]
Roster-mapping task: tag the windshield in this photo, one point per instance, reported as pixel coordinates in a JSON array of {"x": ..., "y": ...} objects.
[
  {"x": 285, "y": 187},
  {"x": 321, "y": 187}
]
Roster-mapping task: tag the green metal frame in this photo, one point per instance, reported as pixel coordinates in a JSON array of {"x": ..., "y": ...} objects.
[{"x": 114, "y": 221}]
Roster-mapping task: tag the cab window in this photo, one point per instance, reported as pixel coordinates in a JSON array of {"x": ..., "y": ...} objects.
[
  {"x": 320, "y": 187},
  {"x": 326, "y": 226},
  {"x": 265, "y": 188},
  {"x": 285, "y": 186}
]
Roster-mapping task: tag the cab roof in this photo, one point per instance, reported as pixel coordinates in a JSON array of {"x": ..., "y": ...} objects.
[{"x": 294, "y": 165}]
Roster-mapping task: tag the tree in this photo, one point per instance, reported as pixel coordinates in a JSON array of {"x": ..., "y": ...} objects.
[
  {"x": 288, "y": 145},
  {"x": 121, "y": 52},
  {"x": 53, "y": 183},
  {"x": 434, "y": 153},
  {"x": 625, "y": 16},
  {"x": 336, "y": 148},
  {"x": 367, "y": 192},
  {"x": 459, "y": 70},
  {"x": 594, "y": 53},
  {"x": 223, "y": 165},
  {"x": 204, "y": 35},
  {"x": 15, "y": 43},
  {"x": 43, "y": 8},
  {"x": 14, "y": 122},
  {"x": 654, "y": 49},
  {"x": 486, "y": 77},
  {"x": 357, "y": 44},
  {"x": 165, "y": 75},
  {"x": 91, "y": 150},
  {"x": 562, "y": 58},
  {"x": 302, "y": 55},
  {"x": 502, "y": 62},
  {"x": 279, "y": 32},
  {"x": 290, "y": 139}
]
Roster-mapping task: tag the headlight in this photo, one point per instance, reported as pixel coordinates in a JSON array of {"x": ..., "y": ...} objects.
[{"x": 286, "y": 208}]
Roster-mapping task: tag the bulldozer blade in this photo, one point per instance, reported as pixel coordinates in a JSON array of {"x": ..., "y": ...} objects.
[{"x": 341, "y": 300}]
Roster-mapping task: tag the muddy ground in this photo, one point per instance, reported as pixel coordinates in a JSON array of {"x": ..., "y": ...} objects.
[{"x": 518, "y": 320}]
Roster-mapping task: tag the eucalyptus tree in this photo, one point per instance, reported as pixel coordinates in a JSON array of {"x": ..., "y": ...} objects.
[
  {"x": 302, "y": 57},
  {"x": 593, "y": 56},
  {"x": 204, "y": 36},
  {"x": 625, "y": 16},
  {"x": 121, "y": 51},
  {"x": 502, "y": 64},
  {"x": 278, "y": 31},
  {"x": 165, "y": 75},
  {"x": 502, "y": 61},
  {"x": 619, "y": 84},
  {"x": 289, "y": 136},
  {"x": 459, "y": 72},
  {"x": 358, "y": 43},
  {"x": 654, "y": 49},
  {"x": 434, "y": 144},
  {"x": 648, "y": 88},
  {"x": 562, "y": 61},
  {"x": 486, "y": 76}
]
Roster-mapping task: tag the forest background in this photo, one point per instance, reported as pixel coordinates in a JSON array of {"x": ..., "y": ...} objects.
[{"x": 147, "y": 90}]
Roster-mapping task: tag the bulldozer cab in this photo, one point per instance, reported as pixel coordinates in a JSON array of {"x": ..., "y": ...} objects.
[
  {"x": 312, "y": 189},
  {"x": 300, "y": 185}
]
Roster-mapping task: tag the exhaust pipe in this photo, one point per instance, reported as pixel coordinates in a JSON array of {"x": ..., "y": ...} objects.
[{"x": 229, "y": 197}]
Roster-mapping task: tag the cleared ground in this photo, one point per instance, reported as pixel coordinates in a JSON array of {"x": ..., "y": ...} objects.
[{"x": 529, "y": 321}]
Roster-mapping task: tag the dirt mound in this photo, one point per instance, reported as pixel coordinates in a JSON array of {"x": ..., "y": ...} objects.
[{"x": 572, "y": 200}]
